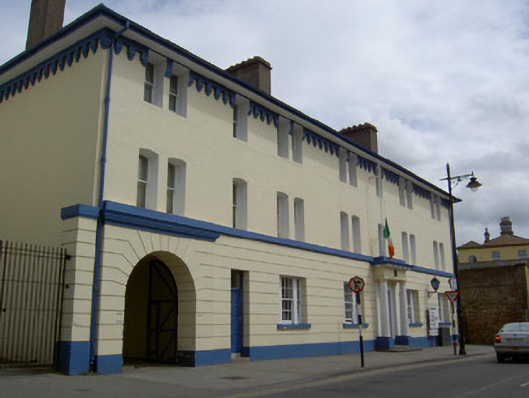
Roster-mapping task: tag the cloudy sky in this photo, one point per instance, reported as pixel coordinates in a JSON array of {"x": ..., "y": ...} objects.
[{"x": 443, "y": 81}]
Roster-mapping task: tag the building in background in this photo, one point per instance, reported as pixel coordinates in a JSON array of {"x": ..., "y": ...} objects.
[
  {"x": 205, "y": 218},
  {"x": 494, "y": 283}
]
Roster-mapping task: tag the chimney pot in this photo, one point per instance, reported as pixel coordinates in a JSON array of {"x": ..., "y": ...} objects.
[
  {"x": 45, "y": 19},
  {"x": 362, "y": 134},
  {"x": 255, "y": 71}
]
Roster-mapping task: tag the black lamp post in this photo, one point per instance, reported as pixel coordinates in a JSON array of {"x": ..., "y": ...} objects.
[{"x": 473, "y": 185}]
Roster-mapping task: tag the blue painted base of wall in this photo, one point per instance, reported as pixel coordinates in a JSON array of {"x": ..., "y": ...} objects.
[
  {"x": 74, "y": 357},
  {"x": 262, "y": 353},
  {"x": 384, "y": 343},
  {"x": 203, "y": 358},
  {"x": 424, "y": 342},
  {"x": 108, "y": 364},
  {"x": 402, "y": 340}
]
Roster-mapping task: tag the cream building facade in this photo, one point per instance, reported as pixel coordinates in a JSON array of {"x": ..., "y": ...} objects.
[{"x": 206, "y": 219}]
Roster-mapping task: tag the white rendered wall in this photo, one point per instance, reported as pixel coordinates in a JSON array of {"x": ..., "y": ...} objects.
[{"x": 48, "y": 150}]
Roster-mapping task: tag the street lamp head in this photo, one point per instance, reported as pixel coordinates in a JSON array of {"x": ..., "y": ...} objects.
[{"x": 474, "y": 184}]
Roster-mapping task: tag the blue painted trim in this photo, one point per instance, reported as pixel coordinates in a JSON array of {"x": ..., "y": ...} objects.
[
  {"x": 297, "y": 326},
  {"x": 210, "y": 86},
  {"x": 74, "y": 357},
  {"x": 154, "y": 221},
  {"x": 390, "y": 176},
  {"x": 204, "y": 358},
  {"x": 444, "y": 324},
  {"x": 262, "y": 353},
  {"x": 320, "y": 142},
  {"x": 108, "y": 364},
  {"x": 400, "y": 263},
  {"x": 260, "y": 112},
  {"x": 402, "y": 340},
  {"x": 79, "y": 211},
  {"x": 384, "y": 343},
  {"x": 421, "y": 192},
  {"x": 103, "y": 38},
  {"x": 169, "y": 224},
  {"x": 347, "y": 325},
  {"x": 424, "y": 342},
  {"x": 103, "y": 11},
  {"x": 415, "y": 324}
]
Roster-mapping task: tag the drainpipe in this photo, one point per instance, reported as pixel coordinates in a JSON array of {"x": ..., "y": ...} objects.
[{"x": 100, "y": 220}]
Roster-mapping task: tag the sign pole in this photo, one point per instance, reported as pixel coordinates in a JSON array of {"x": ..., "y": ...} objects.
[
  {"x": 361, "y": 341},
  {"x": 454, "y": 342},
  {"x": 452, "y": 296},
  {"x": 356, "y": 285}
]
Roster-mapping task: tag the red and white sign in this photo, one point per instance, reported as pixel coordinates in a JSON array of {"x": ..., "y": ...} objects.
[
  {"x": 452, "y": 295},
  {"x": 356, "y": 284}
]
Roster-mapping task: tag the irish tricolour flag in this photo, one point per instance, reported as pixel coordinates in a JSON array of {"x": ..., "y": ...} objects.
[{"x": 387, "y": 236}]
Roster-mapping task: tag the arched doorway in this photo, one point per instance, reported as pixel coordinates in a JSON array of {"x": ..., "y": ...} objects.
[{"x": 151, "y": 313}]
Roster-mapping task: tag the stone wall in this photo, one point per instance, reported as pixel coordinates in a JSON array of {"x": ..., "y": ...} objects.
[{"x": 492, "y": 297}]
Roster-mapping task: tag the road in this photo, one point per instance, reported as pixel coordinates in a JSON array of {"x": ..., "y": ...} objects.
[{"x": 475, "y": 377}]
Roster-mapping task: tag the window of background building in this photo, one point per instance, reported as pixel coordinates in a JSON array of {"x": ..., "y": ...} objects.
[
  {"x": 147, "y": 179},
  {"x": 405, "y": 248},
  {"x": 495, "y": 255},
  {"x": 436, "y": 255},
  {"x": 299, "y": 219},
  {"x": 176, "y": 186},
  {"x": 282, "y": 215},
  {"x": 522, "y": 253},
  {"x": 357, "y": 239},
  {"x": 353, "y": 305},
  {"x": 283, "y": 131},
  {"x": 414, "y": 313},
  {"x": 342, "y": 165},
  {"x": 442, "y": 255},
  {"x": 292, "y": 296},
  {"x": 240, "y": 204},
  {"x": 444, "y": 308},
  {"x": 381, "y": 241},
  {"x": 240, "y": 118},
  {"x": 353, "y": 160},
  {"x": 297, "y": 141},
  {"x": 413, "y": 253},
  {"x": 344, "y": 230}
]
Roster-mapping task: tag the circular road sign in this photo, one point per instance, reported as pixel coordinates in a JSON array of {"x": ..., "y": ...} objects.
[{"x": 356, "y": 284}]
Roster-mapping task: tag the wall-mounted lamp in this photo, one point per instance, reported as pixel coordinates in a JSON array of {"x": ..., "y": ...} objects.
[{"x": 434, "y": 283}]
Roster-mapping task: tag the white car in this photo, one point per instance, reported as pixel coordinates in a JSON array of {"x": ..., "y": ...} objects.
[{"x": 512, "y": 341}]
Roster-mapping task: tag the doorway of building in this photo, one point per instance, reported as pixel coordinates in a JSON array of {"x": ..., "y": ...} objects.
[
  {"x": 151, "y": 314},
  {"x": 237, "y": 312}
]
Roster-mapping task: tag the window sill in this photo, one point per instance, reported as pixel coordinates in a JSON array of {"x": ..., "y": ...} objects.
[
  {"x": 296, "y": 326},
  {"x": 348, "y": 325},
  {"x": 415, "y": 325}
]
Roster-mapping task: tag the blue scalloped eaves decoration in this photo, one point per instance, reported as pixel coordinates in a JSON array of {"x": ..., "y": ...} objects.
[
  {"x": 367, "y": 165},
  {"x": 320, "y": 142},
  {"x": 390, "y": 176},
  {"x": 210, "y": 87},
  {"x": 421, "y": 192},
  {"x": 102, "y": 38},
  {"x": 445, "y": 203},
  {"x": 260, "y": 112}
]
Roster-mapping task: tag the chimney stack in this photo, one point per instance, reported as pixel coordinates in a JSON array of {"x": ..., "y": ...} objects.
[
  {"x": 363, "y": 134},
  {"x": 255, "y": 71},
  {"x": 506, "y": 226},
  {"x": 487, "y": 235},
  {"x": 45, "y": 19}
]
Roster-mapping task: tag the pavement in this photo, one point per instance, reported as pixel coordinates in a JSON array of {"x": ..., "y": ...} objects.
[{"x": 241, "y": 378}]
